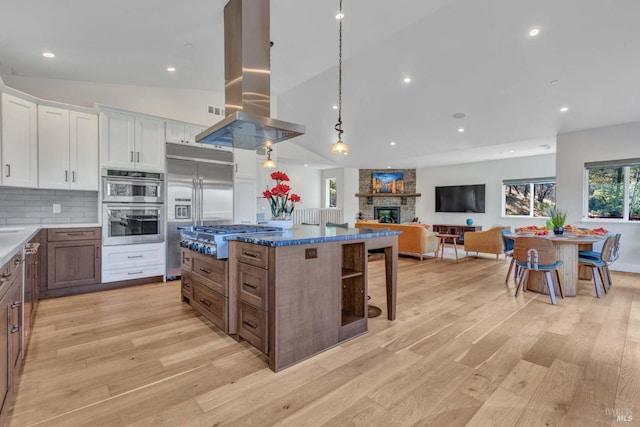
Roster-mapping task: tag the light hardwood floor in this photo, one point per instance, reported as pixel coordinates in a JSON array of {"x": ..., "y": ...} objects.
[{"x": 463, "y": 351}]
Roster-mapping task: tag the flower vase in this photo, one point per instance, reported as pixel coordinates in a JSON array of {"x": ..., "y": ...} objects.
[
  {"x": 285, "y": 222},
  {"x": 558, "y": 230}
]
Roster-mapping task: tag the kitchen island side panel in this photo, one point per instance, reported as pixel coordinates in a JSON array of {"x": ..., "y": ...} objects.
[{"x": 305, "y": 301}]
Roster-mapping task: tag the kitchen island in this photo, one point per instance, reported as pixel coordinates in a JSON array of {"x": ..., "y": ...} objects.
[{"x": 303, "y": 291}]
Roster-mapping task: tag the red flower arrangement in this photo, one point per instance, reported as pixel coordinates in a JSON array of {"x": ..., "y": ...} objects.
[{"x": 280, "y": 198}]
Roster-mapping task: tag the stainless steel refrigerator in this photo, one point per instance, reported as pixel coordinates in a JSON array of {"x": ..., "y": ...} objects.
[{"x": 199, "y": 192}]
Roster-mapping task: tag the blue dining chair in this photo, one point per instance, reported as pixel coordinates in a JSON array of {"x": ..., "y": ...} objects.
[
  {"x": 607, "y": 256},
  {"x": 508, "y": 252},
  {"x": 537, "y": 254}
]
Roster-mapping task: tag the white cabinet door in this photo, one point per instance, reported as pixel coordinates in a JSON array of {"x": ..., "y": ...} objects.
[
  {"x": 83, "y": 151},
  {"x": 245, "y": 161},
  {"x": 117, "y": 143},
  {"x": 244, "y": 201},
  {"x": 175, "y": 132},
  {"x": 53, "y": 148},
  {"x": 190, "y": 133},
  {"x": 150, "y": 150},
  {"x": 19, "y": 142}
]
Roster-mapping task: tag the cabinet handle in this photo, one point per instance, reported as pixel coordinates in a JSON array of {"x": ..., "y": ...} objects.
[
  {"x": 135, "y": 272},
  {"x": 15, "y": 328},
  {"x": 204, "y": 270},
  {"x": 66, "y": 176},
  {"x": 249, "y": 254},
  {"x": 186, "y": 286},
  {"x": 205, "y": 302},
  {"x": 236, "y": 168},
  {"x": 18, "y": 261},
  {"x": 8, "y": 166},
  {"x": 77, "y": 233},
  {"x": 73, "y": 176},
  {"x": 135, "y": 256},
  {"x": 251, "y": 285},
  {"x": 97, "y": 252},
  {"x": 4, "y": 278},
  {"x": 138, "y": 156},
  {"x": 250, "y": 324},
  {"x": 131, "y": 156},
  {"x": 15, "y": 304}
]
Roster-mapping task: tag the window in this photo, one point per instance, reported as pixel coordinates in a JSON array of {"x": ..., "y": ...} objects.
[
  {"x": 613, "y": 190},
  {"x": 332, "y": 193},
  {"x": 528, "y": 197}
]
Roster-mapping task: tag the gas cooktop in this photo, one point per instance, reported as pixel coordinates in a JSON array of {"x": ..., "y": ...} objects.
[{"x": 212, "y": 240}]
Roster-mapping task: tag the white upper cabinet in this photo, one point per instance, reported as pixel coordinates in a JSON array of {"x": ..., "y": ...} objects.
[
  {"x": 83, "y": 151},
  {"x": 132, "y": 142},
  {"x": 19, "y": 149},
  {"x": 245, "y": 163},
  {"x": 68, "y": 149},
  {"x": 180, "y": 133}
]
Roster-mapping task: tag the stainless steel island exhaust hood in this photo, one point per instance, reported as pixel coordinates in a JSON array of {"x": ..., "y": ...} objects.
[{"x": 247, "y": 82}]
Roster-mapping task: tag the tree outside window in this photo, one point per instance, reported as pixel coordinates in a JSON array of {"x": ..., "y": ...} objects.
[
  {"x": 332, "y": 193},
  {"x": 613, "y": 190},
  {"x": 531, "y": 198}
]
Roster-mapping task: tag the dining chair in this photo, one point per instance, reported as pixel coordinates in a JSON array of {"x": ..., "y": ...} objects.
[
  {"x": 608, "y": 257},
  {"x": 537, "y": 254},
  {"x": 599, "y": 264},
  {"x": 508, "y": 253}
]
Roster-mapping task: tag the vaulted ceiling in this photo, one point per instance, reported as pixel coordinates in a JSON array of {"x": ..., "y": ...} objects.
[{"x": 463, "y": 56}]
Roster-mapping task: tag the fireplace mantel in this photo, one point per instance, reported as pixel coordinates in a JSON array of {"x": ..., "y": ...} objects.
[{"x": 403, "y": 196}]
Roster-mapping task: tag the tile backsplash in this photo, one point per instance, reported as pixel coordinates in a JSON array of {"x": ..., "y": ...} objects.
[{"x": 31, "y": 206}]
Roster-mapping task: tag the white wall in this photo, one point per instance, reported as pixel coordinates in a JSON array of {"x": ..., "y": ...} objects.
[
  {"x": 304, "y": 182},
  {"x": 180, "y": 104},
  {"x": 490, "y": 173},
  {"x": 607, "y": 143}
]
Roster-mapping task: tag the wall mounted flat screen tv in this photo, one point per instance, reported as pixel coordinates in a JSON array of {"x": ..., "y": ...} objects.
[{"x": 460, "y": 198}]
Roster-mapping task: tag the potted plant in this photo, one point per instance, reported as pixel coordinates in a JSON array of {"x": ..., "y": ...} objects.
[{"x": 557, "y": 218}]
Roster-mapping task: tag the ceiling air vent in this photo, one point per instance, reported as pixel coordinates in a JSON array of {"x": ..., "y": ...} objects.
[{"x": 218, "y": 111}]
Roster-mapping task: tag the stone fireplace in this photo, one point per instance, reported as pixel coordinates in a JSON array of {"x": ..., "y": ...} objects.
[
  {"x": 387, "y": 214},
  {"x": 369, "y": 206}
]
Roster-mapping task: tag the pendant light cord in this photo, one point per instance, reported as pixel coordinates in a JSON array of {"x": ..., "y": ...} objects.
[{"x": 338, "y": 126}]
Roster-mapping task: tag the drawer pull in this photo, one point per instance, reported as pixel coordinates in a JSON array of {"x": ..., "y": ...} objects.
[
  {"x": 251, "y": 285},
  {"x": 250, "y": 324},
  {"x": 204, "y": 270},
  {"x": 205, "y": 302},
  {"x": 135, "y": 272},
  {"x": 249, "y": 254},
  {"x": 4, "y": 278},
  {"x": 15, "y": 328},
  {"x": 15, "y": 304},
  {"x": 186, "y": 286},
  {"x": 77, "y": 233},
  {"x": 18, "y": 261},
  {"x": 135, "y": 256}
]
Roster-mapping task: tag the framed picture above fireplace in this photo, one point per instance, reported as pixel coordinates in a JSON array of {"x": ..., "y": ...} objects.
[{"x": 387, "y": 182}]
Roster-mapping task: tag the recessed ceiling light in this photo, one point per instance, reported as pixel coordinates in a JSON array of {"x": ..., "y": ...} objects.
[
  {"x": 48, "y": 55},
  {"x": 459, "y": 115},
  {"x": 460, "y": 130},
  {"x": 512, "y": 151},
  {"x": 407, "y": 79},
  {"x": 392, "y": 143},
  {"x": 339, "y": 15},
  {"x": 188, "y": 45},
  {"x": 335, "y": 107},
  {"x": 171, "y": 69},
  {"x": 553, "y": 82},
  {"x": 388, "y": 167},
  {"x": 534, "y": 31},
  {"x": 564, "y": 109},
  {"x": 305, "y": 165}
]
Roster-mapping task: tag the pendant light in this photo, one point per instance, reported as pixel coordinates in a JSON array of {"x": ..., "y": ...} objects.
[
  {"x": 340, "y": 147},
  {"x": 269, "y": 164}
]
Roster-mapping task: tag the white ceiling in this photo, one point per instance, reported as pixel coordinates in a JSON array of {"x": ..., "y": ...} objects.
[{"x": 463, "y": 55}]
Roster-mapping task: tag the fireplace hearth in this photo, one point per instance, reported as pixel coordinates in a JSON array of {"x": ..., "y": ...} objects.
[{"x": 387, "y": 214}]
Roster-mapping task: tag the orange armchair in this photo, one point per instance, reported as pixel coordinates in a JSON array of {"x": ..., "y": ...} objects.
[
  {"x": 489, "y": 241},
  {"x": 414, "y": 240}
]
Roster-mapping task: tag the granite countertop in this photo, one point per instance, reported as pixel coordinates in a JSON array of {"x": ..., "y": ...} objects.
[
  {"x": 309, "y": 234},
  {"x": 13, "y": 238}
]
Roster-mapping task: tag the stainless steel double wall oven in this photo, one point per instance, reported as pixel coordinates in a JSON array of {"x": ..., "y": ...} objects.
[{"x": 133, "y": 208}]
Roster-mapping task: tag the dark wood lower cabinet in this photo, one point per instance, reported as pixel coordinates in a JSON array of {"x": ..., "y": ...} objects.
[{"x": 73, "y": 263}]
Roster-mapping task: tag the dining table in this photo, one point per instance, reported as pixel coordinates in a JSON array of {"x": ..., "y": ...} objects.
[{"x": 567, "y": 248}]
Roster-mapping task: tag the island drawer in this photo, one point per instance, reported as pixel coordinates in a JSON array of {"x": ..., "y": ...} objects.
[
  {"x": 252, "y": 326},
  {"x": 210, "y": 304},
  {"x": 251, "y": 254},
  {"x": 61, "y": 234},
  {"x": 211, "y": 272},
  {"x": 186, "y": 259},
  {"x": 253, "y": 285},
  {"x": 186, "y": 286}
]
